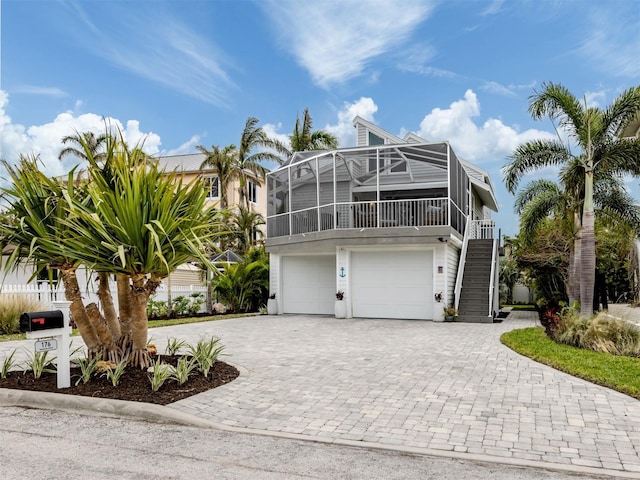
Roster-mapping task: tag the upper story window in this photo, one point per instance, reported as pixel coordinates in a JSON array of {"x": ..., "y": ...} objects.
[
  {"x": 253, "y": 191},
  {"x": 385, "y": 159},
  {"x": 212, "y": 187}
]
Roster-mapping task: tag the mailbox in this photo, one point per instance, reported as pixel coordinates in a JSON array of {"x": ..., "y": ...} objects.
[{"x": 35, "y": 321}]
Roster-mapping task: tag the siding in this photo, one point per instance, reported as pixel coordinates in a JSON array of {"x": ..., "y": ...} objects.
[{"x": 453, "y": 258}]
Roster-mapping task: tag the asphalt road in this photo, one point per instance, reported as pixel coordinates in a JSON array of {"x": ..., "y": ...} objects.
[{"x": 50, "y": 444}]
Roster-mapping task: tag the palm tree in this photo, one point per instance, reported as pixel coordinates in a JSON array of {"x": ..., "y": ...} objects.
[
  {"x": 222, "y": 162},
  {"x": 247, "y": 164},
  {"x": 541, "y": 199},
  {"x": 34, "y": 227},
  {"x": 245, "y": 226},
  {"x": 303, "y": 138},
  {"x": 82, "y": 142},
  {"x": 142, "y": 226},
  {"x": 593, "y": 130}
]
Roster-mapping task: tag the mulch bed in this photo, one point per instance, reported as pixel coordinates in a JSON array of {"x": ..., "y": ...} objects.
[{"x": 134, "y": 384}]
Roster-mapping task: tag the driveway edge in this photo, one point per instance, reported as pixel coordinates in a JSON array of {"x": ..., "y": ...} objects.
[{"x": 166, "y": 414}]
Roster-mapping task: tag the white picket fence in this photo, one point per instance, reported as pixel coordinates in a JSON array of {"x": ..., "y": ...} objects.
[{"x": 46, "y": 293}]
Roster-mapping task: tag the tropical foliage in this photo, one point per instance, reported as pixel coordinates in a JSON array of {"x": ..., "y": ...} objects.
[
  {"x": 244, "y": 286},
  {"x": 130, "y": 219},
  {"x": 599, "y": 154},
  {"x": 305, "y": 138}
]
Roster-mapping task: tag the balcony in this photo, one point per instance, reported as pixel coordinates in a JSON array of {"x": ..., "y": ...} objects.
[{"x": 367, "y": 215}]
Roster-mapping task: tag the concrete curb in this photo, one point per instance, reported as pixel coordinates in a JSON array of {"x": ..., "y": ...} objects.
[{"x": 167, "y": 414}]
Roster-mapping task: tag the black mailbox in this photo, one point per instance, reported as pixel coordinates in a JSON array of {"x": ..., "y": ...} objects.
[{"x": 34, "y": 321}]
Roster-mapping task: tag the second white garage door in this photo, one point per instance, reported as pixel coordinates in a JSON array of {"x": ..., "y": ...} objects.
[
  {"x": 392, "y": 284},
  {"x": 309, "y": 284}
]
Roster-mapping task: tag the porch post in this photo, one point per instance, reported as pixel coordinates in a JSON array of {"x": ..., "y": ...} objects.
[
  {"x": 290, "y": 214},
  {"x": 377, "y": 187},
  {"x": 318, "y": 195},
  {"x": 449, "y": 185},
  {"x": 335, "y": 196}
]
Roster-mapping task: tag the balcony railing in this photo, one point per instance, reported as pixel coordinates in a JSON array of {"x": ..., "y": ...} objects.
[{"x": 361, "y": 215}]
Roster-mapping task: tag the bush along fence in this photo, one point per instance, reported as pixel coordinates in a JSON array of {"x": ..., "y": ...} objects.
[{"x": 185, "y": 299}]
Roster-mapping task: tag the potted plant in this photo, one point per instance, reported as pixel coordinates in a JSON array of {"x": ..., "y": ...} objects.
[
  {"x": 341, "y": 305},
  {"x": 272, "y": 305},
  {"x": 450, "y": 314}
]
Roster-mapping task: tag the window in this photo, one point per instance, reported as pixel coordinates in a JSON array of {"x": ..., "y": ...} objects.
[
  {"x": 253, "y": 192},
  {"x": 399, "y": 166},
  {"x": 211, "y": 186}
]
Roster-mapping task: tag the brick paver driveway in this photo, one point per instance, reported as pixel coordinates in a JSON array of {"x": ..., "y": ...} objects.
[{"x": 436, "y": 386}]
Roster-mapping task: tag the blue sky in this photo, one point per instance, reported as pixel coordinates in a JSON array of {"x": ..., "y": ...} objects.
[{"x": 182, "y": 73}]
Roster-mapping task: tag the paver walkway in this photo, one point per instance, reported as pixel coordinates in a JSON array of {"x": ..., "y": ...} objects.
[{"x": 413, "y": 385}]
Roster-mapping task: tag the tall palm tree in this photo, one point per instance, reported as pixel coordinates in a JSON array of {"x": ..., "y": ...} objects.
[
  {"x": 222, "y": 162},
  {"x": 255, "y": 147},
  {"x": 594, "y": 132},
  {"x": 303, "y": 138},
  {"x": 81, "y": 142}
]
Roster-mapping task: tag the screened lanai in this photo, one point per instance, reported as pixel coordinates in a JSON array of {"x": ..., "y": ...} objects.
[{"x": 383, "y": 186}]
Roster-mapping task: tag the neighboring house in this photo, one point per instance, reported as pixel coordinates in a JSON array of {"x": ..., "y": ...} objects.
[
  {"x": 189, "y": 166},
  {"x": 387, "y": 223}
]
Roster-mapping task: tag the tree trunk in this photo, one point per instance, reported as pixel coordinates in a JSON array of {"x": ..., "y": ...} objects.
[
  {"x": 588, "y": 264},
  {"x": 124, "y": 304},
  {"x": 106, "y": 299},
  {"x": 575, "y": 261},
  {"x": 140, "y": 293},
  {"x": 111, "y": 352},
  {"x": 78, "y": 312}
]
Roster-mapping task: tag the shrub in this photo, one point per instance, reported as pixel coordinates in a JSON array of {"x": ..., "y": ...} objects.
[
  {"x": 197, "y": 300},
  {"x": 600, "y": 334},
  {"x": 157, "y": 308},
  {"x": 205, "y": 354},
  {"x": 180, "y": 305},
  {"x": 12, "y": 306},
  {"x": 160, "y": 372}
]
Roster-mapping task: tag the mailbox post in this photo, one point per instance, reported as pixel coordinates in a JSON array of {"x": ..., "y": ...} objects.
[{"x": 52, "y": 325}]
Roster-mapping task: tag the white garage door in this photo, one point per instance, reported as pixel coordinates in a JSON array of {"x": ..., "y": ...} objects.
[
  {"x": 309, "y": 284},
  {"x": 392, "y": 284}
]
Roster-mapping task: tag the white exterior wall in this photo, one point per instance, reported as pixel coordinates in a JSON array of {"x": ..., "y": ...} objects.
[
  {"x": 453, "y": 259},
  {"x": 275, "y": 262}
]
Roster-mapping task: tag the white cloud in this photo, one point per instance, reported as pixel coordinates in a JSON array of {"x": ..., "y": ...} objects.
[
  {"x": 273, "y": 132},
  {"x": 187, "y": 147},
  {"x": 345, "y": 133},
  {"x": 44, "y": 91},
  {"x": 492, "y": 141},
  {"x": 159, "y": 48},
  {"x": 612, "y": 38},
  {"x": 495, "y": 87},
  {"x": 45, "y": 140},
  {"x": 336, "y": 40}
]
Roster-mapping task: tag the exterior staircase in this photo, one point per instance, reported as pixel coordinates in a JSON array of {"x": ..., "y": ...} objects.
[{"x": 473, "y": 305}]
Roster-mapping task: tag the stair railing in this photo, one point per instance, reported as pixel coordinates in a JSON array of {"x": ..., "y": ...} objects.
[
  {"x": 492, "y": 278},
  {"x": 461, "y": 262}
]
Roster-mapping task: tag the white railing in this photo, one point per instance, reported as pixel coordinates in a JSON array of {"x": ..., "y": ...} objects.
[
  {"x": 482, "y": 229},
  {"x": 359, "y": 215},
  {"x": 46, "y": 293},
  {"x": 461, "y": 263},
  {"x": 492, "y": 279}
]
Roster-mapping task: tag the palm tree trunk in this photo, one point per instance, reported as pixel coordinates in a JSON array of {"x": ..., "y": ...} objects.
[
  {"x": 588, "y": 253},
  {"x": 106, "y": 299},
  {"x": 575, "y": 261},
  {"x": 140, "y": 293},
  {"x": 124, "y": 303},
  {"x": 111, "y": 352},
  {"x": 78, "y": 312}
]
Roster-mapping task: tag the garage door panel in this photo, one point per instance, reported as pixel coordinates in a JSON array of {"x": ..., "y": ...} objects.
[
  {"x": 392, "y": 284},
  {"x": 308, "y": 284}
]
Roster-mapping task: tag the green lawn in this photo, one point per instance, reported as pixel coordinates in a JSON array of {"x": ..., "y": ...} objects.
[
  {"x": 152, "y": 324},
  {"x": 616, "y": 372}
]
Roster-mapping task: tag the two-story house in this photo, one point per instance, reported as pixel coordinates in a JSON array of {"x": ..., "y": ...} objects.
[{"x": 391, "y": 222}]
